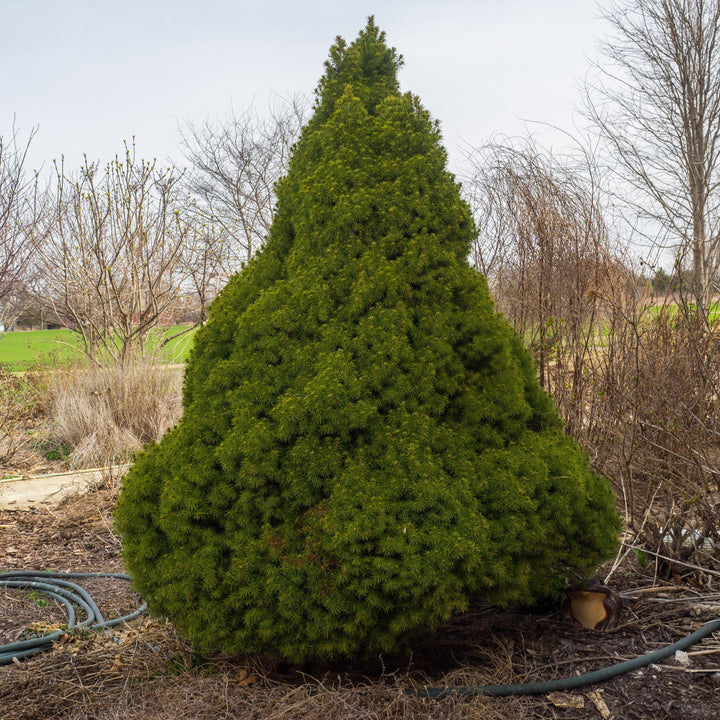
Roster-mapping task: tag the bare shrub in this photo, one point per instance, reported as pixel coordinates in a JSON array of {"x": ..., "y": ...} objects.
[
  {"x": 546, "y": 250},
  {"x": 104, "y": 414},
  {"x": 656, "y": 429},
  {"x": 638, "y": 384},
  {"x": 18, "y": 403},
  {"x": 649, "y": 418}
]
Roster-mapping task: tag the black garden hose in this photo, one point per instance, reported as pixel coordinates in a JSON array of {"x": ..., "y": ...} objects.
[
  {"x": 59, "y": 586},
  {"x": 540, "y": 688}
]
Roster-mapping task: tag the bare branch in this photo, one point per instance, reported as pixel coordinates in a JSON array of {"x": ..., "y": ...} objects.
[
  {"x": 655, "y": 100},
  {"x": 18, "y": 215},
  {"x": 235, "y": 164}
]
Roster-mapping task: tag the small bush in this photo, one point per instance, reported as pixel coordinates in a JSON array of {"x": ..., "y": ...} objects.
[{"x": 105, "y": 414}]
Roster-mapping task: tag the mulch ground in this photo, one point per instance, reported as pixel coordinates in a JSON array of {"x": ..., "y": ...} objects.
[{"x": 146, "y": 671}]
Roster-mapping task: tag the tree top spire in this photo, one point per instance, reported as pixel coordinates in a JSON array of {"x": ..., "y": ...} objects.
[{"x": 368, "y": 64}]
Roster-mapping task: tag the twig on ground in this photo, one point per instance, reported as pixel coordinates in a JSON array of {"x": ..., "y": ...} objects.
[{"x": 660, "y": 556}]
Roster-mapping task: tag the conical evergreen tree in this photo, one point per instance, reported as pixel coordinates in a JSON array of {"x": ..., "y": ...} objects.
[{"x": 364, "y": 446}]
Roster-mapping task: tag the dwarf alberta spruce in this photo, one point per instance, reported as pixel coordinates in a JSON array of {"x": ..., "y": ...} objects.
[{"x": 364, "y": 446}]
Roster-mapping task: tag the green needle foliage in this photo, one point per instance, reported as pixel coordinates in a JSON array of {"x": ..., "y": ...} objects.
[{"x": 364, "y": 446}]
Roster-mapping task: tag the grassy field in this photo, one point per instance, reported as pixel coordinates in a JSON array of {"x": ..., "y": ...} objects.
[
  {"x": 672, "y": 308},
  {"x": 36, "y": 349}
]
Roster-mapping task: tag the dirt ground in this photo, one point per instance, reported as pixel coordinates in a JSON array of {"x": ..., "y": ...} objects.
[{"x": 146, "y": 671}]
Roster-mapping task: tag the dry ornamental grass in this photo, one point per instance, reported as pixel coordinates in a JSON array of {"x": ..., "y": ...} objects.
[{"x": 104, "y": 414}]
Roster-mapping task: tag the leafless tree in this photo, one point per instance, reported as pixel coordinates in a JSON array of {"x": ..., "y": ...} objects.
[
  {"x": 204, "y": 261},
  {"x": 18, "y": 214},
  {"x": 545, "y": 247},
  {"x": 112, "y": 260},
  {"x": 655, "y": 99},
  {"x": 234, "y": 165}
]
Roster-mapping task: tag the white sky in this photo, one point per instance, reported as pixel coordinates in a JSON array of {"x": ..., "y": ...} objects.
[{"x": 92, "y": 73}]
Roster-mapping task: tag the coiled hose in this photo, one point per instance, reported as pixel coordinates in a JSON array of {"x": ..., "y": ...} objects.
[{"x": 58, "y": 586}]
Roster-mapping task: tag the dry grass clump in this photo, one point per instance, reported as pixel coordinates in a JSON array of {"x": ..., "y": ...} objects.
[
  {"x": 18, "y": 407},
  {"x": 105, "y": 414}
]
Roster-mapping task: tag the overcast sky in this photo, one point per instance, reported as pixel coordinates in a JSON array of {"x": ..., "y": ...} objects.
[{"x": 92, "y": 73}]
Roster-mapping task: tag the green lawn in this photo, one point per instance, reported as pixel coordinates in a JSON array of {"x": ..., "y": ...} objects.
[
  {"x": 672, "y": 309},
  {"x": 39, "y": 349}
]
